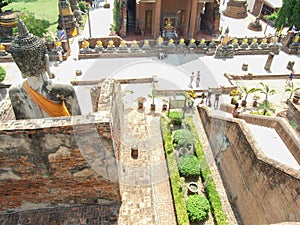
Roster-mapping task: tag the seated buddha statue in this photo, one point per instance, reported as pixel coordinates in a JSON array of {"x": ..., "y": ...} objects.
[
  {"x": 37, "y": 97},
  {"x": 85, "y": 47},
  {"x": 171, "y": 43},
  {"x": 169, "y": 26},
  {"x": 134, "y": 46},
  {"x": 146, "y": 45},
  {"x": 254, "y": 43},
  {"x": 263, "y": 43},
  {"x": 245, "y": 44},
  {"x": 99, "y": 46},
  {"x": 202, "y": 43},
  {"x": 2, "y": 50},
  {"x": 192, "y": 43}
]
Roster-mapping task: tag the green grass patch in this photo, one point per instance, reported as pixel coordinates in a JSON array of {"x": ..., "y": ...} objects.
[{"x": 42, "y": 9}]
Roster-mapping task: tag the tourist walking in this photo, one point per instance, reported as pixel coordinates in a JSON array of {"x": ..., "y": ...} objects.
[
  {"x": 291, "y": 77},
  {"x": 192, "y": 77},
  {"x": 216, "y": 102},
  {"x": 198, "y": 80},
  {"x": 235, "y": 110}
]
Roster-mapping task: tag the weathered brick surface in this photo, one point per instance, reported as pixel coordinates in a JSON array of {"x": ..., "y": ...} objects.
[
  {"x": 56, "y": 164},
  {"x": 262, "y": 190},
  {"x": 104, "y": 214}
]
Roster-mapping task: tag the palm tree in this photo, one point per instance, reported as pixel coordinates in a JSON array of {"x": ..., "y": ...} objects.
[
  {"x": 153, "y": 95},
  {"x": 266, "y": 106},
  {"x": 247, "y": 92},
  {"x": 292, "y": 89},
  {"x": 266, "y": 90}
]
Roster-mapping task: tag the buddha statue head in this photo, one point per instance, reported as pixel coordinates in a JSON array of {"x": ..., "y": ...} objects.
[
  {"x": 2, "y": 48},
  {"x": 192, "y": 41},
  {"x": 160, "y": 40},
  {"x": 134, "y": 43},
  {"x": 146, "y": 43},
  {"x": 202, "y": 41},
  {"x": 111, "y": 43},
  {"x": 85, "y": 44},
  {"x": 123, "y": 43},
  {"x": 171, "y": 41},
  {"x": 29, "y": 52},
  {"x": 181, "y": 41},
  {"x": 99, "y": 43},
  {"x": 264, "y": 41}
]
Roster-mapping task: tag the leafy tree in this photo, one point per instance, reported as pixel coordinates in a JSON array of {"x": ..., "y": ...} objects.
[
  {"x": 289, "y": 14},
  {"x": 3, "y": 4},
  {"x": 183, "y": 138},
  {"x": 265, "y": 89},
  {"x": 35, "y": 26}
]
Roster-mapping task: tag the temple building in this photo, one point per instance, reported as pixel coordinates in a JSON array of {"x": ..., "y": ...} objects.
[{"x": 170, "y": 19}]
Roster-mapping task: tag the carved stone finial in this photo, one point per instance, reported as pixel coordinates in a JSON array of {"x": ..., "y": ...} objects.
[{"x": 22, "y": 29}]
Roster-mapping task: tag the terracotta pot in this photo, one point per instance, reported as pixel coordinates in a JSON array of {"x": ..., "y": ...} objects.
[
  {"x": 140, "y": 105},
  {"x": 296, "y": 99},
  {"x": 152, "y": 107},
  {"x": 254, "y": 104},
  {"x": 244, "y": 103},
  {"x": 164, "y": 107}
]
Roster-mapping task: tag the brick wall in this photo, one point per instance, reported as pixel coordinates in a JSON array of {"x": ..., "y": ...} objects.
[
  {"x": 82, "y": 214},
  {"x": 261, "y": 190},
  {"x": 57, "y": 161}
]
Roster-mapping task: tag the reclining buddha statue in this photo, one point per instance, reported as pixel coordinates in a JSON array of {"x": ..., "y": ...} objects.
[{"x": 37, "y": 97}]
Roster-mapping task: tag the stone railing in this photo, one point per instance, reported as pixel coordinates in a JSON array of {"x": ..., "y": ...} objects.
[{"x": 282, "y": 127}]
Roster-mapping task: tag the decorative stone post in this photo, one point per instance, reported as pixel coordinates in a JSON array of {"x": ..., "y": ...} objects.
[
  {"x": 290, "y": 65},
  {"x": 269, "y": 61}
]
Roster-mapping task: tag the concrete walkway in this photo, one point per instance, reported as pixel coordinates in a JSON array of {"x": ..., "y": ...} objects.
[{"x": 144, "y": 181}]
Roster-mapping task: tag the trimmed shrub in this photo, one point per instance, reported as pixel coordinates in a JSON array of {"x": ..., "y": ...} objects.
[
  {"x": 183, "y": 138},
  {"x": 189, "y": 166},
  {"x": 197, "y": 207},
  {"x": 176, "y": 117},
  {"x": 2, "y": 74}
]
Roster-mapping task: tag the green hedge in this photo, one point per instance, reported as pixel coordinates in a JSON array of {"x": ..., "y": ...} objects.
[
  {"x": 178, "y": 195},
  {"x": 211, "y": 191}
]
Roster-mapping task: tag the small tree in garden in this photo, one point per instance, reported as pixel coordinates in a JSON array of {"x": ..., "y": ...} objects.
[
  {"x": 247, "y": 92},
  {"x": 197, "y": 207},
  {"x": 265, "y": 89},
  {"x": 189, "y": 166},
  {"x": 183, "y": 138},
  {"x": 292, "y": 89}
]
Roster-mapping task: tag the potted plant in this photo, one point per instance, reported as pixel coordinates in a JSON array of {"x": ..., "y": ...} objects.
[
  {"x": 152, "y": 96},
  {"x": 165, "y": 106},
  {"x": 296, "y": 97},
  {"x": 293, "y": 91},
  {"x": 234, "y": 93},
  {"x": 247, "y": 92},
  {"x": 255, "y": 98},
  {"x": 141, "y": 101}
]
